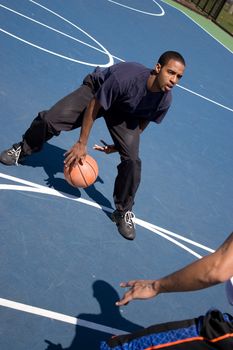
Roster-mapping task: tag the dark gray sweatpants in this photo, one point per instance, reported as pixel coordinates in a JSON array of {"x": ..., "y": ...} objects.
[{"x": 67, "y": 114}]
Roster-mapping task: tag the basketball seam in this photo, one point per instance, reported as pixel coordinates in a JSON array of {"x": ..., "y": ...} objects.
[
  {"x": 81, "y": 173},
  {"x": 92, "y": 168},
  {"x": 88, "y": 180}
]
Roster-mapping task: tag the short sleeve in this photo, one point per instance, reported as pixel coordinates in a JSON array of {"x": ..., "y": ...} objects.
[
  {"x": 160, "y": 115},
  {"x": 163, "y": 108},
  {"x": 108, "y": 92}
]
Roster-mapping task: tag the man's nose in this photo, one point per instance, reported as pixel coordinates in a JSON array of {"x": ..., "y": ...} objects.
[{"x": 173, "y": 79}]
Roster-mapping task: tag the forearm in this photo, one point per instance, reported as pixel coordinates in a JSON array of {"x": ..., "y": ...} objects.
[
  {"x": 88, "y": 120},
  {"x": 193, "y": 277},
  {"x": 208, "y": 271}
]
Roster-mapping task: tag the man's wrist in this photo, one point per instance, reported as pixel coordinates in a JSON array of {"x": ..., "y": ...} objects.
[
  {"x": 82, "y": 142},
  {"x": 157, "y": 286}
]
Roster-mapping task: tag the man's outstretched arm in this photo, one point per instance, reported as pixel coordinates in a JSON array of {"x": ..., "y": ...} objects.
[{"x": 208, "y": 271}]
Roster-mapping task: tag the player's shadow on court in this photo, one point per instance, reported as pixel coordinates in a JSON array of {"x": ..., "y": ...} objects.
[
  {"x": 109, "y": 316},
  {"x": 51, "y": 158}
]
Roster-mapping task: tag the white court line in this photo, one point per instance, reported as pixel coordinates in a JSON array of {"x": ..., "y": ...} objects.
[
  {"x": 137, "y": 10},
  {"x": 182, "y": 238},
  {"x": 153, "y": 228},
  {"x": 58, "y": 316},
  {"x": 51, "y": 28},
  {"x": 205, "y": 98},
  {"x": 197, "y": 94},
  {"x": 168, "y": 234},
  {"x": 105, "y": 51},
  {"x": 35, "y": 188},
  {"x": 194, "y": 93},
  {"x": 86, "y": 63},
  {"x": 174, "y": 241}
]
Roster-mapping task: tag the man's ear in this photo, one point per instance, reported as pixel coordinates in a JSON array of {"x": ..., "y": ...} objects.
[{"x": 157, "y": 68}]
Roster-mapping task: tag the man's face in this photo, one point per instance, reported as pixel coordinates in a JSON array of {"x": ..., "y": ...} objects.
[{"x": 168, "y": 75}]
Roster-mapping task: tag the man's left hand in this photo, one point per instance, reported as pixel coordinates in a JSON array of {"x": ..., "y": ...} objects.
[{"x": 139, "y": 289}]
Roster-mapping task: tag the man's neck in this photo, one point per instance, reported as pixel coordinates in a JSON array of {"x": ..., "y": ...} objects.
[{"x": 151, "y": 82}]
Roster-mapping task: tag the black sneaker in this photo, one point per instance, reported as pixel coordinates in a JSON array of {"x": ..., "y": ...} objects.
[
  {"x": 125, "y": 223},
  {"x": 12, "y": 156}
]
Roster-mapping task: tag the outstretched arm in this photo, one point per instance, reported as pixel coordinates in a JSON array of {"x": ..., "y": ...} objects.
[
  {"x": 208, "y": 271},
  {"x": 79, "y": 150}
]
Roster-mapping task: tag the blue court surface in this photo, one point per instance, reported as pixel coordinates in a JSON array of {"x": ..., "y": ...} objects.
[{"x": 62, "y": 258}]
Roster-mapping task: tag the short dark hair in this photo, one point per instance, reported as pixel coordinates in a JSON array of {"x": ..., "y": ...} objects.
[{"x": 171, "y": 55}]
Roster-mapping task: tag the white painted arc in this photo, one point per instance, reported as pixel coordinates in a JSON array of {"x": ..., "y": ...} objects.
[
  {"x": 162, "y": 13},
  {"x": 104, "y": 50},
  {"x": 33, "y": 187}
]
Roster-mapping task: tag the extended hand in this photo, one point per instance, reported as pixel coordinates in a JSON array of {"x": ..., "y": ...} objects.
[
  {"x": 105, "y": 148},
  {"x": 75, "y": 154},
  {"x": 139, "y": 289}
]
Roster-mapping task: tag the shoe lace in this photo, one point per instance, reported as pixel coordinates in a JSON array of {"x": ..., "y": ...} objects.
[
  {"x": 15, "y": 152},
  {"x": 130, "y": 218}
]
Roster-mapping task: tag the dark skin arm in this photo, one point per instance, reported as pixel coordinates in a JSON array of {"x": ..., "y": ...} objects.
[
  {"x": 79, "y": 150},
  {"x": 208, "y": 271}
]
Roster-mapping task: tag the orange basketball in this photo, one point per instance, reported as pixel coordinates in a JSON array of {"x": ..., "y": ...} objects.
[{"x": 82, "y": 175}]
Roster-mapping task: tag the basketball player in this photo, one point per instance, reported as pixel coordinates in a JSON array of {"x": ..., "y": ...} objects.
[{"x": 129, "y": 96}]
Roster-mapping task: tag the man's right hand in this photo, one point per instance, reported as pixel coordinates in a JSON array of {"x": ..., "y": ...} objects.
[{"x": 75, "y": 154}]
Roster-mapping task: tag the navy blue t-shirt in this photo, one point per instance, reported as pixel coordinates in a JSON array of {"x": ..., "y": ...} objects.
[{"x": 122, "y": 89}]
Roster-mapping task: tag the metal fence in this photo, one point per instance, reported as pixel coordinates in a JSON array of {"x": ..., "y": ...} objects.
[{"x": 219, "y": 11}]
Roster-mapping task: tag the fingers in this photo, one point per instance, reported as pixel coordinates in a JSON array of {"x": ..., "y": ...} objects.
[
  {"x": 68, "y": 160},
  {"x": 71, "y": 159},
  {"x": 138, "y": 289},
  {"x": 99, "y": 148},
  {"x": 132, "y": 283},
  {"x": 128, "y": 284},
  {"x": 104, "y": 148},
  {"x": 125, "y": 300},
  {"x": 128, "y": 296},
  {"x": 75, "y": 154}
]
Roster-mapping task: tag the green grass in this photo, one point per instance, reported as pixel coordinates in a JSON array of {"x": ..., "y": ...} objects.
[{"x": 225, "y": 19}]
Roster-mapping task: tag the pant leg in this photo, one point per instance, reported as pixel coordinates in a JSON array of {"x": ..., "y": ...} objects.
[
  {"x": 66, "y": 114},
  {"x": 126, "y": 137}
]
